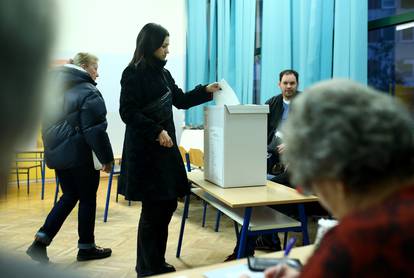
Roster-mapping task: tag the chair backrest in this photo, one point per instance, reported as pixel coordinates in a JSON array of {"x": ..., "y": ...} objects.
[
  {"x": 116, "y": 169},
  {"x": 185, "y": 157},
  {"x": 196, "y": 157},
  {"x": 183, "y": 153}
]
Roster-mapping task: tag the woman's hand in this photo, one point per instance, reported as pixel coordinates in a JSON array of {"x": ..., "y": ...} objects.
[
  {"x": 107, "y": 168},
  {"x": 281, "y": 148},
  {"x": 281, "y": 271},
  {"x": 165, "y": 139},
  {"x": 213, "y": 87}
]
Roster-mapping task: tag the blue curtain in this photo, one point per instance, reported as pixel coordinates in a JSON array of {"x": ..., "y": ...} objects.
[
  {"x": 299, "y": 34},
  {"x": 230, "y": 49},
  {"x": 350, "y": 46},
  {"x": 244, "y": 44},
  {"x": 296, "y": 35},
  {"x": 196, "y": 57},
  {"x": 277, "y": 44},
  {"x": 235, "y": 45}
]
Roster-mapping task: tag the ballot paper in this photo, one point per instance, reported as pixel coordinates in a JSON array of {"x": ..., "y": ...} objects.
[
  {"x": 234, "y": 271},
  {"x": 96, "y": 163},
  {"x": 226, "y": 96}
]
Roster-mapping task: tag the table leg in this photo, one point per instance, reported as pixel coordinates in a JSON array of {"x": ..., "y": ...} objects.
[
  {"x": 43, "y": 171},
  {"x": 108, "y": 194},
  {"x": 183, "y": 218},
  {"x": 304, "y": 224},
  {"x": 218, "y": 216},
  {"x": 244, "y": 232}
]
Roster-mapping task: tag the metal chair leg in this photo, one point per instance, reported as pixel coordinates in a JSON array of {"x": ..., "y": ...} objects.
[{"x": 108, "y": 195}]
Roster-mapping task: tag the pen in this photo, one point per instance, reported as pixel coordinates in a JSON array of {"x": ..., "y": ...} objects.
[{"x": 289, "y": 246}]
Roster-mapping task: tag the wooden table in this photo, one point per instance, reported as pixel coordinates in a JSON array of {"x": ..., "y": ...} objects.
[
  {"x": 302, "y": 253},
  {"x": 247, "y": 198}
]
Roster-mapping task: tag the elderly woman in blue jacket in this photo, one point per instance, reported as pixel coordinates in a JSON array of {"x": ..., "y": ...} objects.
[{"x": 70, "y": 136}]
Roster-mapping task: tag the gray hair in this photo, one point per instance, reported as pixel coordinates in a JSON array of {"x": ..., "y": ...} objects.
[
  {"x": 341, "y": 130},
  {"x": 84, "y": 59}
]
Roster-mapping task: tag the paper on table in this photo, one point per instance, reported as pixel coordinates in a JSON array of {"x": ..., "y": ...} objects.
[
  {"x": 97, "y": 164},
  {"x": 234, "y": 271},
  {"x": 226, "y": 95}
]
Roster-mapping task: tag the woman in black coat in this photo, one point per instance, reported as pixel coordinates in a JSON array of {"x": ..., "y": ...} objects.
[
  {"x": 152, "y": 168},
  {"x": 70, "y": 135}
]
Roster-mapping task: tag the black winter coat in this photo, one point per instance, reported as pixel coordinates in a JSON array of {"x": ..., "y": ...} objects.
[
  {"x": 150, "y": 171},
  {"x": 79, "y": 126},
  {"x": 275, "y": 115}
]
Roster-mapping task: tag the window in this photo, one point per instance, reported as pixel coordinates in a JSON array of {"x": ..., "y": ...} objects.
[
  {"x": 378, "y": 9},
  {"x": 390, "y": 52},
  {"x": 406, "y": 69},
  {"x": 407, "y": 4},
  {"x": 407, "y": 35},
  {"x": 388, "y": 4}
]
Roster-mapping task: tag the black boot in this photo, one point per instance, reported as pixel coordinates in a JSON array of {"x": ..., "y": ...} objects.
[
  {"x": 94, "y": 253},
  {"x": 268, "y": 242},
  {"x": 167, "y": 268},
  {"x": 37, "y": 251}
]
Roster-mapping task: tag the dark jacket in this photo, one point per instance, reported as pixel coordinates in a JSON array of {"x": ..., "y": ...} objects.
[
  {"x": 150, "y": 171},
  {"x": 79, "y": 126},
  {"x": 275, "y": 115}
]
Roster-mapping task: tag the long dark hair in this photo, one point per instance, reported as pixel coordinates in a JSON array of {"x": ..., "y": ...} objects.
[{"x": 150, "y": 38}]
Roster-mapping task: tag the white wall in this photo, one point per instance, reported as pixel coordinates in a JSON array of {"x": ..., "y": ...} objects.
[{"x": 108, "y": 29}]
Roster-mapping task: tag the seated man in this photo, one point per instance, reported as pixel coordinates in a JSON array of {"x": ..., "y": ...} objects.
[{"x": 278, "y": 113}]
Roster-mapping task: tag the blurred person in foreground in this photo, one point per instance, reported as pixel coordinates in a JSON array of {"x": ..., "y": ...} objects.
[
  {"x": 26, "y": 30},
  {"x": 353, "y": 147},
  {"x": 70, "y": 135},
  {"x": 26, "y": 34}
]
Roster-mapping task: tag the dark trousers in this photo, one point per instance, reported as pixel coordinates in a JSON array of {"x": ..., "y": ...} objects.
[
  {"x": 153, "y": 235},
  {"x": 78, "y": 184}
]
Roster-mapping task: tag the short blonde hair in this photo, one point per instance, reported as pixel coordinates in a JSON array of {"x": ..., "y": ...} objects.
[{"x": 84, "y": 58}]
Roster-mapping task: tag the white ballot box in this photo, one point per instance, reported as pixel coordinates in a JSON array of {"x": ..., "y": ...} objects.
[{"x": 235, "y": 140}]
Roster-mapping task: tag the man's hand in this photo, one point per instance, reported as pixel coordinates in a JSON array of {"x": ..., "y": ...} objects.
[
  {"x": 281, "y": 271},
  {"x": 107, "y": 168},
  {"x": 280, "y": 148},
  {"x": 165, "y": 139},
  {"x": 213, "y": 87}
]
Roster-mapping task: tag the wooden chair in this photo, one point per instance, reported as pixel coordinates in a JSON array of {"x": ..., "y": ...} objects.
[
  {"x": 24, "y": 164},
  {"x": 185, "y": 156},
  {"x": 196, "y": 158}
]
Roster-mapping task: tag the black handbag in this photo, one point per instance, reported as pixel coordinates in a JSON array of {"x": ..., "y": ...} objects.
[{"x": 160, "y": 110}]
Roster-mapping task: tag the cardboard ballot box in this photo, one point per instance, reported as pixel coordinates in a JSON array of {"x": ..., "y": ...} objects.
[{"x": 235, "y": 140}]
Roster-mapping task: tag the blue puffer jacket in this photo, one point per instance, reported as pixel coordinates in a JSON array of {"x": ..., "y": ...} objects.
[{"x": 79, "y": 126}]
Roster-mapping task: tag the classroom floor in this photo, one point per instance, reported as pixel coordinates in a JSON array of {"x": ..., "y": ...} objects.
[{"x": 21, "y": 215}]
